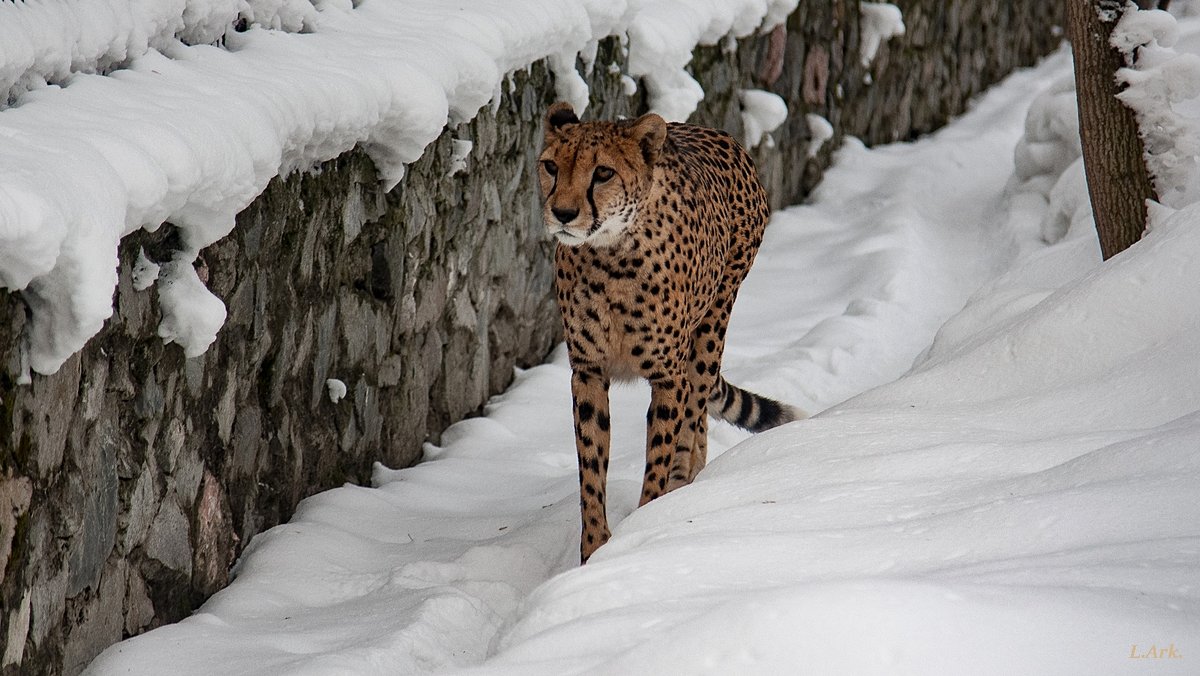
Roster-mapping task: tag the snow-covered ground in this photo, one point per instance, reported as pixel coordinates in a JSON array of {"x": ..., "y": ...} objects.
[{"x": 1022, "y": 500}]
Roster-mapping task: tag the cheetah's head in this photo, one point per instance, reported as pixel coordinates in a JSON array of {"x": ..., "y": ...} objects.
[{"x": 594, "y": 174}]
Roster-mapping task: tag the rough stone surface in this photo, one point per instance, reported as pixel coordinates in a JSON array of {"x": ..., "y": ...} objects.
[
  {"x": 169, "y": 541},
  {"x": 15, "y": 493},
  {"x": 131, "y": 478}
]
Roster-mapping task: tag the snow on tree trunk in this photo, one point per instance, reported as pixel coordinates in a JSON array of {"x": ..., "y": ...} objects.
[{"x": 1113, "y": 154}]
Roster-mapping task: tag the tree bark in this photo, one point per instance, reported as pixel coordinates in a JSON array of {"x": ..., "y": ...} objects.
[{"x": 1113, "y": 154}]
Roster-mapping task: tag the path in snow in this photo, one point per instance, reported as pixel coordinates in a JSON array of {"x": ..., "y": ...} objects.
[{"x": 423, "y": 571}]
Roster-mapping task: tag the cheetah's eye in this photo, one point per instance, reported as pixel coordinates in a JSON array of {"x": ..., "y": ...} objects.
[
  {"x": 602, "y": 174},
  {"x": 550, "y": 167}
]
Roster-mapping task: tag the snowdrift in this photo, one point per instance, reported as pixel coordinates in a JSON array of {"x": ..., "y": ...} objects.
[{"x": 1023, "y": 502}]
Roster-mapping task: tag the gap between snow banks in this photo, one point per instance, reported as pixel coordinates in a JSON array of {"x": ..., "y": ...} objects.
[{"x": 192, "y": 134}]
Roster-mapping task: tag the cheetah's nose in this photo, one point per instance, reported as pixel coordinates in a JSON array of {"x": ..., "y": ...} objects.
[{"x": 564, "y": 216}]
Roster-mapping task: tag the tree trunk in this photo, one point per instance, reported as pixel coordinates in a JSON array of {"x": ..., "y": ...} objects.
[{"x": 1113, "y": 154}]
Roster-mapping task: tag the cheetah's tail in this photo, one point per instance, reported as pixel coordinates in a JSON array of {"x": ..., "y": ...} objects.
[{"x": 748, "y": 410}]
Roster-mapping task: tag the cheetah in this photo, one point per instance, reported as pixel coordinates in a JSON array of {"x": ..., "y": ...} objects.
[{"x": 656, "y": 227}]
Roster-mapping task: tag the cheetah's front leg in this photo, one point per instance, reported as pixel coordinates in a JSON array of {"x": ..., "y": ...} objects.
[{"x": 589, "y": 390}]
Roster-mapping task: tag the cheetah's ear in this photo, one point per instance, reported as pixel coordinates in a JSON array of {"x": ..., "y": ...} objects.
[
  {"x": 650, "y": 131},
  {"x": 560, "y": 115}
]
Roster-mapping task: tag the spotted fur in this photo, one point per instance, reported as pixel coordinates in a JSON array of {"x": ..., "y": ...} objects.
[{"x": 657, "y": 225}]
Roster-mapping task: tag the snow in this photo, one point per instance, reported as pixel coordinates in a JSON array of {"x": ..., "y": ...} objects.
[
  {"x": 48, "y": 42},
  {"x": 663, "y": 34},
  {"x": 819, "y": 131},
  {"x": 336, "y": 389},
  {"x": 1161, "y": 89},
  {"x": 628, "y": 85},
  {"x": 144, "y": 273},
  {"x": 1048, "y": 172},
  {"x": 1002, "y": 480},
  {"x": 461, "y": 150},
  {"x": 762, "y": 113},
  {"x": 191, "y": 315},
  {"x": 1139, "y": 28},
  {"x": 1161, "y": 79},
  {"x": 210, "y": 115},
  {"x": 880, "y": 22}
]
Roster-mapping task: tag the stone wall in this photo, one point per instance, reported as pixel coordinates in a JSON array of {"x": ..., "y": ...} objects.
[{"x": 131, "y": 479}]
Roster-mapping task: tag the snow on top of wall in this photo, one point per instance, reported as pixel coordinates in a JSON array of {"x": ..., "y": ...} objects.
[
  {"x": 188, "y": 132},
  {"x": 46, "y": 42},
  {"x": 663, "y": 33},
  {"x": 762, "y": 113},
  {"x": 820, "y": 131},
  {"x": 881, "y": 21}
]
